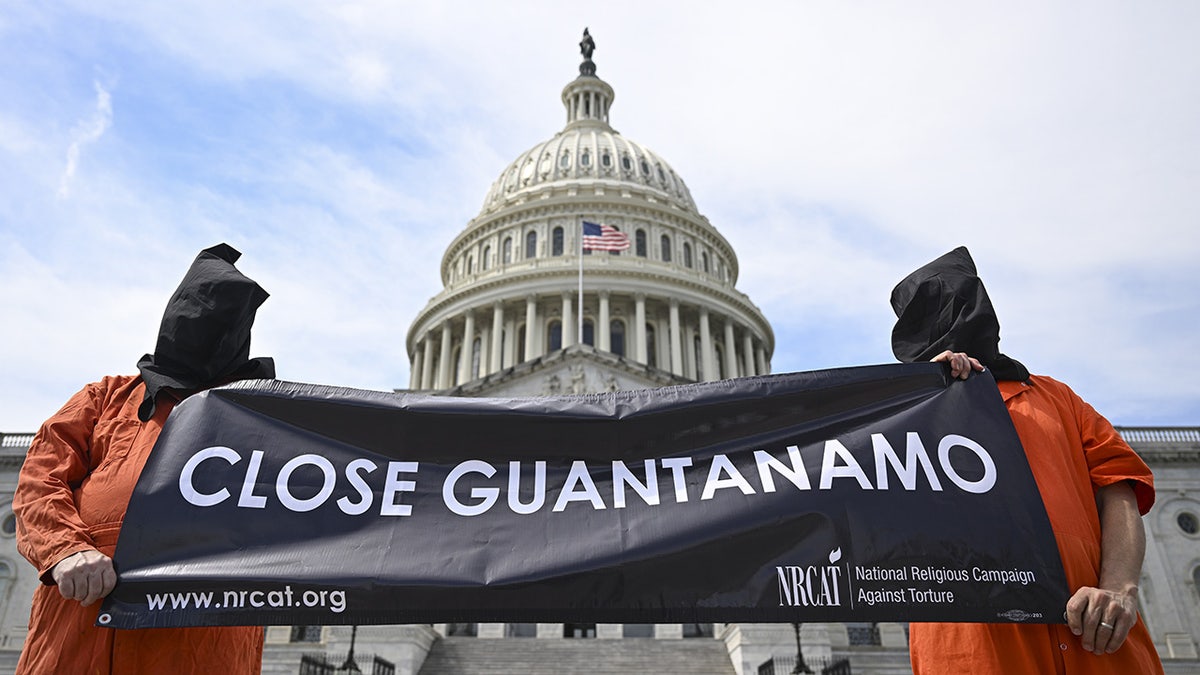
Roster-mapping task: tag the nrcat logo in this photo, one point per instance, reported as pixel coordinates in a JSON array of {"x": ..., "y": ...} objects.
[{"x": 812, "y": 585}]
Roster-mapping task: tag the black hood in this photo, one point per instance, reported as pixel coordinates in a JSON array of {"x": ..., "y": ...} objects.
[
  {"x": 204, "y": 338},
  {"x": 944, "y": 305}
]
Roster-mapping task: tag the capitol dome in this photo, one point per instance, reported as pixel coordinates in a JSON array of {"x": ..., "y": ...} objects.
[{"x": 510, "y": 320}]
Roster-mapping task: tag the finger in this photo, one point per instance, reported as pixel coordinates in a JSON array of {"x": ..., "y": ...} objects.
[
  {"x": 1104, "y": 633},
  {"x": 66, "y": 587},
  {"x": 109, "y": 579},
  {"x": 1075, "y": 607},
  {"x": 1120, "y": 632},
  {"x": 95, "y": 585}
]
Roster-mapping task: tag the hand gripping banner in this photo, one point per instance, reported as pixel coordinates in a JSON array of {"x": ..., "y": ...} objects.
[{"x": 880, "y": 493}]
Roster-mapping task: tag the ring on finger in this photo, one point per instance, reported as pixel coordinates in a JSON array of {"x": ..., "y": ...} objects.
[{"x": 1107, "y": 625}]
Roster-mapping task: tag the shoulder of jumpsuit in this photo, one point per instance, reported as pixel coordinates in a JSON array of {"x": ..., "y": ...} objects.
[{"x": 1010, "y": 389}]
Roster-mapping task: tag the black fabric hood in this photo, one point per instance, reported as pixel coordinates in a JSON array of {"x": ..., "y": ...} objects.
[
  {"x": 944, "y": 305},
  {"x": 204, "y": 337}
]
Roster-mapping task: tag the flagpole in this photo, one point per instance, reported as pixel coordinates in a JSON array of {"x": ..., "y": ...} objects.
[{"x": 579, "y": 232}]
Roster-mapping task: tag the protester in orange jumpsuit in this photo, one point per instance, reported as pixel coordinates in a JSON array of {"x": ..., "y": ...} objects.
[
  {"x": 81, "y": 470},
  {"x": 1094, "y": 487}
]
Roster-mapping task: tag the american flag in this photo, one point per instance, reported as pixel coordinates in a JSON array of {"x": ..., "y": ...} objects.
[{"x": 603, "y": 238}]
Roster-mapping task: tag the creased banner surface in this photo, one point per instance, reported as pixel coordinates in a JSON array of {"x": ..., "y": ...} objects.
[{"x": 879, "y": 493}]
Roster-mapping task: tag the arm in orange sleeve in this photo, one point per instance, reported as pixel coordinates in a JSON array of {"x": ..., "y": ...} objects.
[
  {"x": 49, "y": 527},
  {"x": 1109, "y": 458}
]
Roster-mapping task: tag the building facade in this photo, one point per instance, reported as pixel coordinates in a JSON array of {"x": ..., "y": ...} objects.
[{"x": 526, "y": 311}]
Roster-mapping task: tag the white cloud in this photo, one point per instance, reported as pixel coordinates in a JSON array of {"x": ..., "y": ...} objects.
[{"x": 85, "y": 133}]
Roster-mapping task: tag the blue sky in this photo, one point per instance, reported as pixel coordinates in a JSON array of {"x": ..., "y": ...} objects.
[{"x": 341, "y": 146}]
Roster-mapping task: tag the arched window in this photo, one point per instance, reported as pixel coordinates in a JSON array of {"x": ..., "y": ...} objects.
[
  {"x": 616, "y": 334},
  {"x": 565, "y": 160},
  {"x": 665, "y": 248},
  {"x": 606, "y": 160},
  {"x": 556, "y": 241},
  {"x": 589, "y": 332},
  {"x": 507, "y": 250},
  {"x": 470, "y": 264},
  {"x": 485, "y": 259},
  {"x": 476, "y": 355},
  {"x": 651, "y": 347},
  {"x": 554, "y": 336},
  {"x": 531, "y": 244},
  {"x": 626, "y": 163},
  {"x": 639, "y": 239},
  {"x": 687, "y": 255},
  {"x": 704, "y": 261},
  {"x": 585, "y": 158}
]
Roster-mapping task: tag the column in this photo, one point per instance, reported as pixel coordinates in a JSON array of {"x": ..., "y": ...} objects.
[
  {"x": 485, "y": 351},
  {"x": 568, "y": 321},
  {"x": 510, "y": 345},
  {"x": 731, "y": 367},
  {"x": 662, "y": 333},
  {"x": 639, "y": 328},
  {"x": 603, "y": 330},
  {"x": 530, "y": 328},
  {"x": 414, "y": 371},
  {"x": 444, "y": 357},
  {"x": 675, "y": 339},
  {"x": 762, "y": 362},
  {"x": 496, "y": 363},
  {"x": 748, "y": 353},
  {"x": 691, "y": 369},
  {"x": 427, "y": 364},
  {"x": 706, "y": 347},
  {"x": 468, "y": 346}
]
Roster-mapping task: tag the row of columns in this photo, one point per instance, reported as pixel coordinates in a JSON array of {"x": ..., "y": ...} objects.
[{"x": 441, "y": 372}]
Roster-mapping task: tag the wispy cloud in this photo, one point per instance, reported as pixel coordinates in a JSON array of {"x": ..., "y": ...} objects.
[{"x": 85, "y": 133}]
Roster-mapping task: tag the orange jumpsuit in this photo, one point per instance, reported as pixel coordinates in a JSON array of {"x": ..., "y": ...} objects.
[
  {"x": 1068, "y": 467},
  {"x": 72, "y": 494}
]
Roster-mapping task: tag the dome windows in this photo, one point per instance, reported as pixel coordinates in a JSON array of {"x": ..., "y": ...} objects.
[
  {"x": 639, "y": 238},
  {"x": 645, "y": 168},
  {"x": 606, "y": 160},
  {"x": 564, "y": 162},
  {"x": 626, "y": 163},
  {"x": 585, "y": 158},
  {"x": 665, "y": 248},
  {"x": 687, "y": 255},
  {"x": 556, "y": 241},
  {"x": 531, "y": 244}
]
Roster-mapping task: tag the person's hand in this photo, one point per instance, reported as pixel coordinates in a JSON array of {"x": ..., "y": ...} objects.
[
  {"x": 961, "y": 365},
  {"x": 86, "y": 576},
  {"x": 1102, "y": 618}
]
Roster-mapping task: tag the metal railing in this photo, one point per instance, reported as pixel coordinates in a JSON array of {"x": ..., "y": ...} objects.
[
  {"x": 786, "y": 665},
  {"x": 324, "y": 664}
]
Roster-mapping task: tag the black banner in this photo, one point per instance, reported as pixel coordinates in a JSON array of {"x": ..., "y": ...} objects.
[{"x": 881, "y": 493}]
